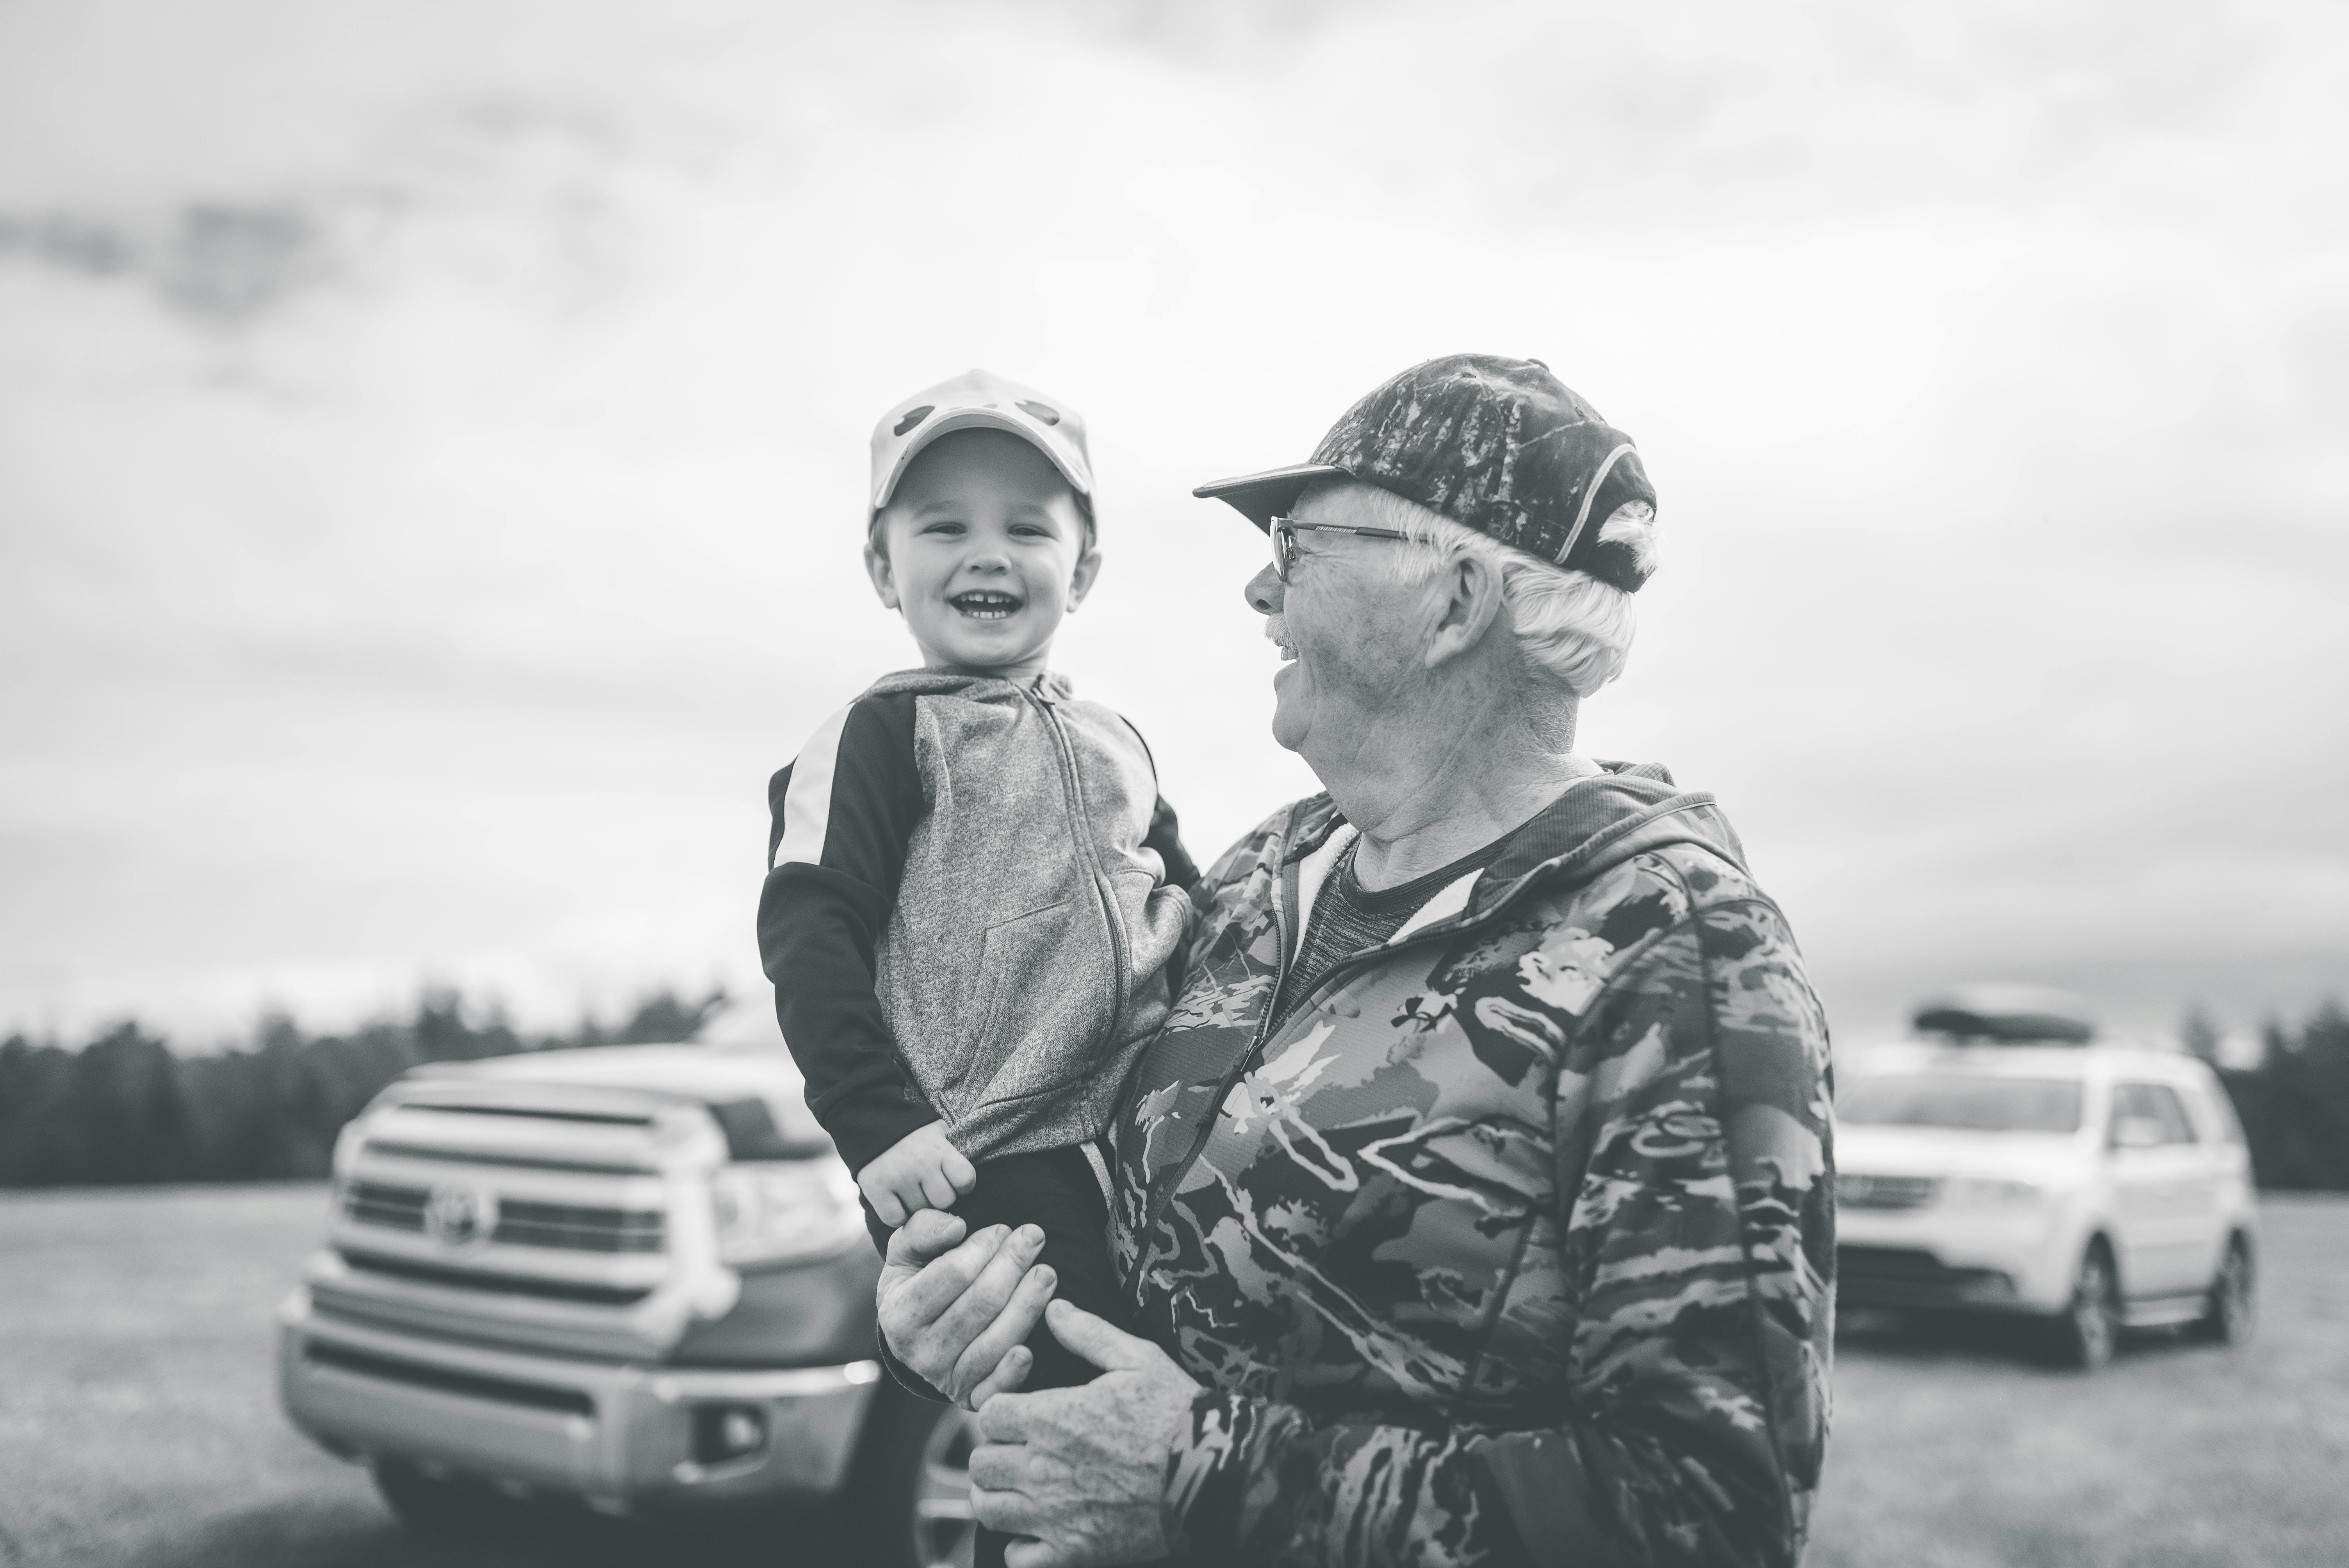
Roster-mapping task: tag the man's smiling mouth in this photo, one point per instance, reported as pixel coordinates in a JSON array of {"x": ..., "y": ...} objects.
[
  {"x": 986, "y": 604},
  {"x": 1275, "y": 632}
]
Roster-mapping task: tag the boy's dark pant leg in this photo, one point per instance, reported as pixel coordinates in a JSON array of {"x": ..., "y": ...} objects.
[
  {"x": 874, "y": 1227},
  {"x": 1056, "y": 1191}
]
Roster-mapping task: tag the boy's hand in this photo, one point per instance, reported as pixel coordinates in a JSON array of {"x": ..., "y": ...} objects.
[{"x": 920, "y": 1171}]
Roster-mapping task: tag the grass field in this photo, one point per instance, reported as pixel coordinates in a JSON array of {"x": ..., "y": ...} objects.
[{"x": 138, "y": 1427}]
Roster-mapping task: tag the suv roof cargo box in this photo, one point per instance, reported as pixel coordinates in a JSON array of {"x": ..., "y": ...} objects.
[{"x": 2008, "y": 1014}]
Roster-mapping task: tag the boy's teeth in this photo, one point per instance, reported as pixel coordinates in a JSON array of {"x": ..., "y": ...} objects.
[{"x": 984, "y": 606}]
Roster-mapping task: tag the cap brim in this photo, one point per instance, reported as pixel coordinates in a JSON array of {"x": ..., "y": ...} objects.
[
  {"x": 978, "y": 419},
  {"x": 1262, "y": 497}
]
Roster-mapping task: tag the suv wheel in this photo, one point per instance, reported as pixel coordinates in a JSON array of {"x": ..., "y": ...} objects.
[
  {"x": 2089, "y": 1328},
  {"x": 2226, "y": 1320},
  {"x": 445, "y": 1507},
  {"x": 909, "y": 1499}
]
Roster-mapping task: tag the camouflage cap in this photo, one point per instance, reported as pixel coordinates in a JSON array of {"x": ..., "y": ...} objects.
[{"x": 1497, "y": 445}]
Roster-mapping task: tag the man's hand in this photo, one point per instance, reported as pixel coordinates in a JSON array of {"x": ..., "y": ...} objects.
[
  {"x": 920, "y": 1171},
  {"x": 955, "y": 1307},
  {"x": 1081, "y": 1471}
]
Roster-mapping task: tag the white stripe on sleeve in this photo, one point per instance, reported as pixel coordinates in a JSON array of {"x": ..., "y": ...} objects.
[{"x": 807, "y": 798}]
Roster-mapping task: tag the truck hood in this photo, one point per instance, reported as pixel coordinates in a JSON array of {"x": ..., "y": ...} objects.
[
  {"x": 707, "y": 1073},
  {"x": 1946, "y": 1151},
  {"x": 755, "y": 1093}
]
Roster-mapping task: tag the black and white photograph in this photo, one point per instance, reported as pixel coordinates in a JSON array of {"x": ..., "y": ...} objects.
[{"x": 1061, "y": 783}]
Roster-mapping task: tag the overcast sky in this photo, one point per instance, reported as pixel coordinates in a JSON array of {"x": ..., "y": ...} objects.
[{"x": 431, "y": 439}]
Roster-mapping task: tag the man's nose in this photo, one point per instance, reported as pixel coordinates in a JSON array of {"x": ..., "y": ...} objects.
[{"x": 1264, "y": 592}]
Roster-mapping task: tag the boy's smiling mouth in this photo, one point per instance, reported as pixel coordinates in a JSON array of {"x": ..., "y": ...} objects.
[{"x": 987, "y": 603}]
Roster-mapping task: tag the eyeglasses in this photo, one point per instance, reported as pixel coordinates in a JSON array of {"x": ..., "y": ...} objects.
[{"x": 1285, "y": 531}]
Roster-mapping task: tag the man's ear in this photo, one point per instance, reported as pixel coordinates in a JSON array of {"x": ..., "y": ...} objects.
[
  {"x": 1467, "y": 600},
  {"x": 1080, "y": 581},
  {"x": 877, "y": 566}
]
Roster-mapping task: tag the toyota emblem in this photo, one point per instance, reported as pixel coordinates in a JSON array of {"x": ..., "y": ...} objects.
[{"x": 458, "y": 1214}]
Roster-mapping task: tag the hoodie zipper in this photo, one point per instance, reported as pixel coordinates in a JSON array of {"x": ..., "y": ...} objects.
[
  {"x": 1071, "y": 784},
  {"x": 1249, "y": 1058}
]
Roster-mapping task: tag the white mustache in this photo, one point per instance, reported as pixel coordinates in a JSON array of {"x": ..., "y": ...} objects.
[{"x": 1276, "y": 629}]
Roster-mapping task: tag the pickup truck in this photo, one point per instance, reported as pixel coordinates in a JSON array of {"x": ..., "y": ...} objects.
[{"x": 635, "y": 1276}]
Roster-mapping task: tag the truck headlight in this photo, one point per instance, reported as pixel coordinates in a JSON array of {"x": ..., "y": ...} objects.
[
  {"x": 1991, "y": 1192},
  {"x": 776, "y": 1211}
]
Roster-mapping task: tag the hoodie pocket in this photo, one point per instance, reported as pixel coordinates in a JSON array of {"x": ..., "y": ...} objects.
[{"x": 1015, "y": 984}]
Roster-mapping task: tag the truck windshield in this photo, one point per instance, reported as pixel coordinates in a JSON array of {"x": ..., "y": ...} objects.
[{"x": 1971, "y": 1103}]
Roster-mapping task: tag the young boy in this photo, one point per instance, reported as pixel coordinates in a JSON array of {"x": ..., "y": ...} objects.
[{"x": 974, "y": 889}]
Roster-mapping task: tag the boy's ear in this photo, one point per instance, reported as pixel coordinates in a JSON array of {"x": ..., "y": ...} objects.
[
  {"x": 1080, "y": 581},
  {"x": 877, "y": 566}
]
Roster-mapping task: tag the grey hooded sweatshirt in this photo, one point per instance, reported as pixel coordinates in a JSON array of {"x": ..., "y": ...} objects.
[{"x": 973, "y": 894}]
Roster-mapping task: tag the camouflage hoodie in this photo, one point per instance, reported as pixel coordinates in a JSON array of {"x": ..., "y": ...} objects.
[{"x": 1514, "y": 1243}]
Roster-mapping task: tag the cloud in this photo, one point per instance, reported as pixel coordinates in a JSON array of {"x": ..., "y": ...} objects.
[
  {"x": 430, "y": 439},
  {"x": 214, "y": 261}
]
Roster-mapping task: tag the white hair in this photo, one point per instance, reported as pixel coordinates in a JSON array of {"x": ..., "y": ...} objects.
[{"x": 1572, "y": 629}]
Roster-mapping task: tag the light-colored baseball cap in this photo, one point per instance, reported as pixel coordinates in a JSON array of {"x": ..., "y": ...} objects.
[{"x": 979, "y": 400}]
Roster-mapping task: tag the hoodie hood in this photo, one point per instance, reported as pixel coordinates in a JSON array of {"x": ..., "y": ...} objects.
[
  {"x": 1052, "y": 686},
  {"x": 1595, "y": 823},
  {"x": 1598, "y": 822}
]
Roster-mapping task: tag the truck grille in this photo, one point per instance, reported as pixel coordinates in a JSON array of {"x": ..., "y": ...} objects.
[
  {"x": 563, "y": 1218},
  {"x": 1856, "y": 1191},
  {"x": 446, "y": 1381},
  {"x": 582, "y": 1228},
  {"x": 473, "y": 1279},
  {"x": 380, "y": 1204},
  {"x": 521, "y": 1222}
]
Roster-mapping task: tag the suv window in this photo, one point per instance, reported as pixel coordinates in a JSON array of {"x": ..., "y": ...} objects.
[
  {"x": 2220, "y": 1114},
  {"x": 1971, "y": 1102},
  {"x": 2158, "y": 1103}
]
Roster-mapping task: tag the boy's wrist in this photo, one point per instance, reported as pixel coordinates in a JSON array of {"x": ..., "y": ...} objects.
[{"x": 864, "y": 1127}]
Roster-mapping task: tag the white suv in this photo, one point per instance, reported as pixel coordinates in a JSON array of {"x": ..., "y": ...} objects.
[{"x": 2095, "y": 1186}]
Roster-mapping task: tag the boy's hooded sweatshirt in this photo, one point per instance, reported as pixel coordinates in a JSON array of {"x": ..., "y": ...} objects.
[{"x": 973, "y": 894}]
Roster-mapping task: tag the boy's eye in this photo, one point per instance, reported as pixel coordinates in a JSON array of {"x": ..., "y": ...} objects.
[{"x": 944, "y": 526}]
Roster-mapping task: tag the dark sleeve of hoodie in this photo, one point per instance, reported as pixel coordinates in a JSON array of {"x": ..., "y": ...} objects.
[
  {"x": 1165, "y": 835},
  {"x": 844, "y": 812}
]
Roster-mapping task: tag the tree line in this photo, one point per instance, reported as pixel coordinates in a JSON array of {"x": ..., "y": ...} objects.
[
  {"x": 2294, "y": 1106},
  {"x": 127, "y": 1109}
]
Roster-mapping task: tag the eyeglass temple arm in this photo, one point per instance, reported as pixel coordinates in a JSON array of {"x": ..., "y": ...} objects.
[{"x": 1295, "y": 526}]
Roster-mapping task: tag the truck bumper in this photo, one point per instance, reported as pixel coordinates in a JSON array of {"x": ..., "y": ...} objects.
[{"x": 617, "y": 1436}]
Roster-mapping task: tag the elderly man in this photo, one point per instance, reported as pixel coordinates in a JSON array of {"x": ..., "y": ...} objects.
[{"x": 1476, "y": 1202}]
